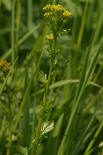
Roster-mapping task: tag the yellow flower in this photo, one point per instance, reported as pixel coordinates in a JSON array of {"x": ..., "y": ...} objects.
[
  {"x": 67, "y": 14},
  {"x": 47, "y": 14},
  {"x": 58, "y": 18},
  {"x": 49, "y": 37},
  {"x": 4, "y": 65},
  {"x": 47, "y": 7},
  {"x": 53, "y": 7},
  {"x": 57, "y": 7}
]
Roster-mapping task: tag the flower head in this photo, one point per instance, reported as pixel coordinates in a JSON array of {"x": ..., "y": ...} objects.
[
  {"x": 53, "y": 7},
  {"x": 47, "y": 14},
  {"x": 4, "y": 65},
  {"x": 53, "y": 10},
  {"x": 67, "y": 14},
  {"x": 58, "y": 18},
  {"x": 49, "y": 37}
]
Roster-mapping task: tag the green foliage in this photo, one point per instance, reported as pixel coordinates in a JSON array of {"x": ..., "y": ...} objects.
[{"x": 51, "y": 97}]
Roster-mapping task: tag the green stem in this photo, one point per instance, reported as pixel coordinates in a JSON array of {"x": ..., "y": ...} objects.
[
  {"x": 94, "y": 139},
  {"x": 30, "y": 14},
  {"x": 18, "y": 14},
  {"x": 13, "y": 31},
  {"x": 49, "y": 78},
  {"x": 10, "y": 127},
  {"x": 37, "y": 134},
  {"x": 42, "y": 113},
  {"x": 80, "y": 36}
]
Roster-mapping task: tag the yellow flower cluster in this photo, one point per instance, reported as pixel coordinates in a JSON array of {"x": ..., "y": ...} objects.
[
  {"x": 47, "y": 14},
  {"x": 58, "y": 18},
  {"x": 53, "y": 7},
  {"x": 49, "y": 37},
  {"x": 4, "y": 65},
  {"x": 67, "y": 14}
]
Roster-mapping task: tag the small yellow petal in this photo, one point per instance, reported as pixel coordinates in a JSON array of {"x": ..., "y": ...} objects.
[
  {"x": 67, "y": 14},
  {"x": 47, "y": 14},
  {"x": 49, "y": 37}
]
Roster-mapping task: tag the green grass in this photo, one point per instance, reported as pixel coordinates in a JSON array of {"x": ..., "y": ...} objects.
[{"x": 56, "y": 112}]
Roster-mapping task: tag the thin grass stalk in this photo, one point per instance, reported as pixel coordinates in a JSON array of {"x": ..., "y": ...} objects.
[
  {"x": 80, "y": 140},
  {"x": 23, "y": 102},
  {"x": 73, "y": 120},
  {"x": 30, "y": 14},
  {"x": 13, "y": 31},
  {"x": 26, "y": 114},
  {"x": 2, "y": 130},
  {"x": 10, "y": 125},
  {"x": 93, "y": 139},
  {"x": 99, "y": 25},
  {"x": 3, "y": 106},
  {"x": 37, "y": 134},
  {"x": 18, "y": 15},
  {"x": 99, "y": 94},
  {"x": 99, "y": 71},
  {"x": 80, "y": 36}
]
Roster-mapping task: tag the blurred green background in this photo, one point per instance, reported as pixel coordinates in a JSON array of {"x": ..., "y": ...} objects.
[{"x": 22, "y": 30}]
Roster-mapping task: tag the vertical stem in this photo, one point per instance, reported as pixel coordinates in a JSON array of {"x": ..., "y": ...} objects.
[
  {"x": 0, "y": 3},
  {"x": 82, "y": 26},
  {"x": 18, "y": 14},
  {"x": 49, "y": 78},
  {"x": 42, "y": 113},
  {"x": 13, "y": 31},
  {"x": 10, "y": 126},
  {"x": 80, "y": 36},
  {"x": 89, "y": 147},
  {"x": 37, "y": 134},
  {"x": 29, "y": 14}
]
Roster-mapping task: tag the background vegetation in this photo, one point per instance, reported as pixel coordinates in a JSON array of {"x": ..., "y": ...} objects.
[{"x": 74, "y": 123}]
